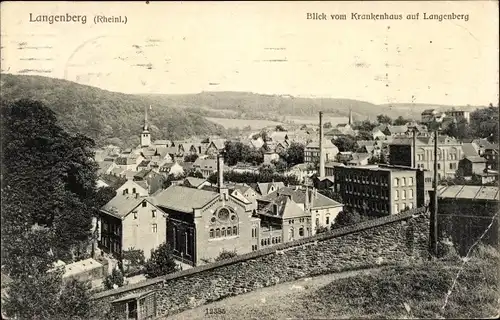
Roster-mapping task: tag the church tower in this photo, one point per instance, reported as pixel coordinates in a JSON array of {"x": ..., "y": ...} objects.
[
  {"x": 145, "y": 135},
  {"x": 350, "y": 117}
]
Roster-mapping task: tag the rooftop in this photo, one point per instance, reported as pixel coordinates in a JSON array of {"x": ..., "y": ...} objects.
[
  {"x": 121, "y": 205},
  {"x": 469, "y": 192},
  {"x": 184, "y": 199}
]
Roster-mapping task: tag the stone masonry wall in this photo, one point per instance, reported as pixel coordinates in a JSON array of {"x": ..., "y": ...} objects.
[{"x": 389, "y": 240}]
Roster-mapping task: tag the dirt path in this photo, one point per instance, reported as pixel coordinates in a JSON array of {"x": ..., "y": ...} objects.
[{"x": 276, "y": 302}]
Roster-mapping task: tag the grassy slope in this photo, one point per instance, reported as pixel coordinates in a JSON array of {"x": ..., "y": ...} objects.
[
  {"x": 103, "y": 115},
  {"x": 382, "y": 294}
]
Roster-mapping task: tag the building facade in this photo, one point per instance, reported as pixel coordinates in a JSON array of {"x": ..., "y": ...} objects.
[
  {"x": 311, "y": 151},
  {"x": 402, "y": 153},
  {"x": 379, "y": 190}
]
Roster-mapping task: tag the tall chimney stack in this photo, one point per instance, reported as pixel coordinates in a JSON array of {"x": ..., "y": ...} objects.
[
  {"x": 321, "y": 151},
  {"x": 220, "y": 172}
]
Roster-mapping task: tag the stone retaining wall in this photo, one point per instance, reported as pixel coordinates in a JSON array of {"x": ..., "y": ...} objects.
[{"x": 389, "y": 240}]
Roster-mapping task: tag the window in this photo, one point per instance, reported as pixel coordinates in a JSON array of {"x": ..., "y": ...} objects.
[
  {"x": 410, "y": 194},
  {"x": 144, "y": 204},
  {"x": 410, "y": 181},
  {"x": 301, "y": 231},
  {"x": 327, "y": 220},
  {"x": 235, "y": 230},
  {"x": 410, "y": 205},
  {"x": 133, "y": 190},
  {"x": 451, "y": 165},
  {"x": 135, "y": 214},
  {"x": 174, "y": 238},
  {"x": 223, "y": 233},
  {"x": 403, "y": 194},
  {"x": 273, "y": 240},
  {"x": 403, "y": 181},
  {"x": 154, "y": 228},
  {"x": 262, "y": 242},
  {"x": 396, "y": 182},
  {"x": 439, "y": 166},
  {"x": 153, "y": 212},
  {"x": 229, "y": 232},
  {"x": 211, "y": 233},
  {"x": 217, "y": 233},
  {"x": 396, "y": 208},
  {"x": 396, "y": 195}
]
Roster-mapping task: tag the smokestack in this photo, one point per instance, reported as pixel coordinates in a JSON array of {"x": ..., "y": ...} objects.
[
  {"x": 220, "y": 171},
  {"x": 321, "y": 151}
]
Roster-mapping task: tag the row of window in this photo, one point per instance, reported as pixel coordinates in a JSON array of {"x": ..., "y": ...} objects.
[
  {"x": 153, "y": 212},
  {"x": 402, "y": 182},
  {"x": 268, "y": 241},
  {"x": 451, "y": 156},
  {"x": 301, "y": 220},
  {"x": 403, "y": 194},
  {"x": 452, "y": 166},
  {"x": 366, "y": 179},
  {"x": 361, "y": 204},
  {"x": 113, "y": 228},
  {"x": 366, "y": 191},
  {"x": 223, "y": 232}
]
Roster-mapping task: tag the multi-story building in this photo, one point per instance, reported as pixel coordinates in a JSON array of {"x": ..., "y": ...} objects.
[
  {"x": 316, "y": 211},
  {"x": 206, "y": 166},
  {"x": 203, "y": 223},
  {"x": 311, "y": 151},
  {"x": 402, "y": 153},
  {"x": 430, "y": 115},
  {"x": 131, "y": 221},
  {"x": 458, "y": 114},
  {"x": 380, "y": 190}
]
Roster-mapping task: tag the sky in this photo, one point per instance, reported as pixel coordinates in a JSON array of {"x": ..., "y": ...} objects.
[{"x": 263, "y": 47}]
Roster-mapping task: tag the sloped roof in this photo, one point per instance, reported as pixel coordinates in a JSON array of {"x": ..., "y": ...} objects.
[
  {"x": 327, "y": 143},
  {"x": 219, "y": 143},
  {"x": 142, "y": 174},
  {"x": 476, "y": 159},
  {"x": 286, "y": 208},
  {"x": 81, "y": 266},
  {"x": 184, "y": 199},
  {"x": 207, "y": 163},
  {"x": 469, "y": 150},
  {"x": 195, "y": 182},
  {"x": 469, "y": 192},
  {"x": 121, "y": 205},
  {"x": 299, "y": 196},
  {"x": 265, "y": 186}
]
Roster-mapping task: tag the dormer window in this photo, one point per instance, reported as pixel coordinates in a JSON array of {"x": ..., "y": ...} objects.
[{"x": 144, "y": 204}]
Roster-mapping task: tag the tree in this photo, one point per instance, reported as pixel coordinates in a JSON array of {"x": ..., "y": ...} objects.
[
  {"x": 279, "y": 165},
  {"x": 294, "y": 154},
  {"x": 104, "y": 195},
  {"x": 384, "y": 119},
  {"x": 484, "y": 123},
  {"x": 161, "y": 262},
  {"x": 400, "y": 121},
  {"x": 327, "y": 125},
  {"x": 75, "y": 300},
  {"x": 49, "y": 178},
  {"x": 134, "y": 259},
  {"x": 195, "y": 174},
  {"x": 346, "y": 218},
  {"x": 346, "y": 143},
  {"x": 280, "y": 128},
  {"x": 364, "y": 135},
  {"x": 190, "y": 157},
  {"x": 115, "y": 279},
  {"x": 225, "y": 255},
  {"x": 365, "y": 125}
]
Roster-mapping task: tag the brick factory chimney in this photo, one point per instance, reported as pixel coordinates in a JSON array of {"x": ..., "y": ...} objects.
[
  {"x": 220, "y": 176},
  {"x": 321, "y": 151}
]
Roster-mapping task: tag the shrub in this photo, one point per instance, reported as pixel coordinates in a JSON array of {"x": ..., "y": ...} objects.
[{"x": 224, "y": 255}]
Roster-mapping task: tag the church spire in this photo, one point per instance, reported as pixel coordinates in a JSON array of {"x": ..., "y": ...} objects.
[
  {"x": 145, "y": 135},
  {"x": 350, "y": 116}
]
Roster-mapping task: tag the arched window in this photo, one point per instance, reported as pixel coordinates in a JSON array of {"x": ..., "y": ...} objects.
[
  {"x": 396, "y": 195},
  {"x": 223, "y": 233},
  {"x": 396, "y": 208},
  {"x": 301, "y": 231},
  {"x": 229, "y": 231},
  {"x": 403, "y": 194},
  {"x": 235, "y": 230},
  {"x": 290, "y": 234},
  {"x": 396, "y": 182},
  {"x": 217, "y": 233},
  {"x": 403, "y": 181},
  {"x": 211, "y": 233}
]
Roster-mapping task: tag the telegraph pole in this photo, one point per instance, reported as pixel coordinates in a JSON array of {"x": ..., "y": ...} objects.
[{"x": 434, "y": 227}]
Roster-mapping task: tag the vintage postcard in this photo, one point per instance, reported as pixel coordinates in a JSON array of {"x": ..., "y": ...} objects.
[{"x": 249, "y": 160}]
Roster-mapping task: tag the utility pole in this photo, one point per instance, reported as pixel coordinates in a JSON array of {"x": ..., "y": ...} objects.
[{"x": 435, "y": 196}]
